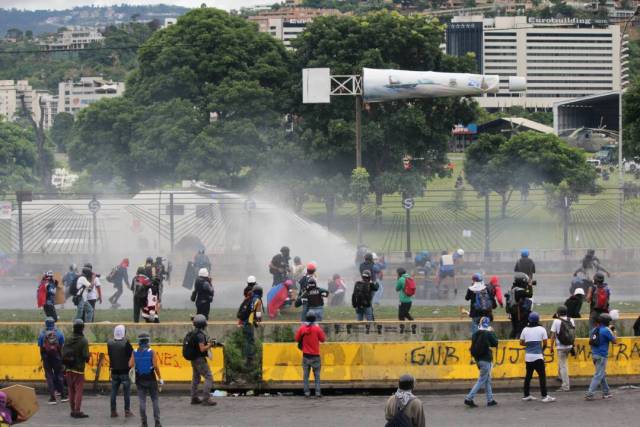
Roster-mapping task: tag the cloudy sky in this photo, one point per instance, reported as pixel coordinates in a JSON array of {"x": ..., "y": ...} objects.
[{"x": 66, "y": 4}]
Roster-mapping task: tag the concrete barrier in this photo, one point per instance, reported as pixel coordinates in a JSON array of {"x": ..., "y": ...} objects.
[
  {"x": 432, "y": 361},
  {"x": 21, "y": 362}
]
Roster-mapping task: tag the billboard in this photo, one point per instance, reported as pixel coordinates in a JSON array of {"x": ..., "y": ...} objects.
[{"x": 389, "y": 85}]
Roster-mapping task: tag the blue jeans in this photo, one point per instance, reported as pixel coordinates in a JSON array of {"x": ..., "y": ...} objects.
[
  {"x": 474, "y": 324},
  {"x": 377, "y": 297},
  {"x": 484, "y": 380},
  {"x": 600, "y": 376},
  {"x": 318, "y": 311},
  {"x": 364, "y": 313},
  {"x": 54, "y": 373},
  {"x": 84, "y": 312},
  {"x": 309, "y": 363},
  {"x": 116, "y": 380},
  {"x": 248, "y": 348}
]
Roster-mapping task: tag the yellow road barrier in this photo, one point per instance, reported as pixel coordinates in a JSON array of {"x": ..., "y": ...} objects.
[
  {"x": 433, "y": 360},
  {"x": 21, "y": 362}
]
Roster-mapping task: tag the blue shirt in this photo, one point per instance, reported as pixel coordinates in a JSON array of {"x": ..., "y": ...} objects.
[
  {"x": 602, "y": 349},
  {"x": 43, "y": 333}
]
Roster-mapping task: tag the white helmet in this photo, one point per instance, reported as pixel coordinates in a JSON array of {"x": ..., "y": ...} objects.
[
  {"x": 251, "y": 279},
  {"x": 203, "y": 272},
  {"x": 460, "y": 252},
  {"x": 578, "y": 291}
]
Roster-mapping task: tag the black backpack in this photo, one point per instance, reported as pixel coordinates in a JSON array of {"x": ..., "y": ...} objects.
[
  {"x": 361, "y": 295},
  {"x": 73, "y": 287},
  {"x": 190, "y": 350},
  {"x": 567, "y": 332},
  {"x": 244, "y": 311},
  {"x": 594, "y": 337},
  {"x": 400, "y": 419},
  {"x": 479, "y": 345}
]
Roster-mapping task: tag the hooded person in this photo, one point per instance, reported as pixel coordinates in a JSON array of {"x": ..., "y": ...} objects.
[
  {"x": 497, "y": 290},
  {"x": 50, "y": 342},
  {"x": 120, "y": 350},
  {"x": 404, "y": 408},
  {"x": 6, "y": 416},
  {"x": 481, "y": 299}
]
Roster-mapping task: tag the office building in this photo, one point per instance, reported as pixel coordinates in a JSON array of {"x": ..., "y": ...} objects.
[
  {"x": 287, "y": 23},
  {"x": 76, "y": 95},
  {"x": 73, "y": 39},
  {"x": 561, "y": 59},
  {"x": 465, "y": 36}
]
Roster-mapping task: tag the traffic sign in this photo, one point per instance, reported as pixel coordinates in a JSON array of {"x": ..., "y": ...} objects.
[
  {"x": 94, "y": 206},
  {"x": 408, "y": 203}
]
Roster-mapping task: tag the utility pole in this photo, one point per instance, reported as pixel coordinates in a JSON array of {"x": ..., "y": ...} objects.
[
  {"x": 359, "y": 160},
  {"x": 21, "y": 196},
  {"x": 487, "y": 238},
  {"x": 171, "y": 222},
  {"x": 565, "y": 225}
]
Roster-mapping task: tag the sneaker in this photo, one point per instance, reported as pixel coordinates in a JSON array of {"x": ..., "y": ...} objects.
[
  {"x": 196, "y": 400},
  {"x": 307, "y": 396},
  {"x": 470, "y": 403},
  {"x": 52, "y": 401},
  {"x": 209, "y": 402},
  {"x": 319, "y": 396},
  {"x": 114, "y": 414},
  {"x": 128, "y": 414},
  {"x": 492, "y": 403},
  {"x": 589, "y": 397},
  {"x": 563, "y": 390},
  {"x": 81, "y": 415},
  {"x": 607, "y": 396},
  {"x": 64, "y": 398},
  {"x": 158, "y": 424},
  {"x": 548, "y": 399},
  {"x": 529, "y": 398}
]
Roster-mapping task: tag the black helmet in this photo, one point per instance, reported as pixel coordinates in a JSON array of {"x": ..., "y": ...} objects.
[
  {"x": 310, "y": 317},
  {"x": 591, "y": 252},
  {"x": 401, "y": 271},
  {"x": 78, "y": 326},
  {"x": 366, "y": 274},
  {"x": 284, "y": 250},
  {"x": 604, "y": 319},
  {"x": 562, "y": 310},
  {"x": 199, "y": 321},
  {"x": 598, "y": 277},
  {"x": 368, "y": 256},
  {"x": 89, "y": 266},
  {"x": 257, "y": 290},
  {"x": 520, "y": 280}
]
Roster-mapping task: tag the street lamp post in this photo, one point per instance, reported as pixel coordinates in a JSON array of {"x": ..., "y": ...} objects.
[{"x": 620, "y": 130}]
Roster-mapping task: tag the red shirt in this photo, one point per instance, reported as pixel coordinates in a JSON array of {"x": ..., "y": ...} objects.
[{"x": 313, "y": 336}]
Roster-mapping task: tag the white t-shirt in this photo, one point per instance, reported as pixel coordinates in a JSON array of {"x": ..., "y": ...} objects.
[
  {"x": 533, "y": 338},
  {"x": 555, "y": 328},
  {"x": 90, "y": 292}
]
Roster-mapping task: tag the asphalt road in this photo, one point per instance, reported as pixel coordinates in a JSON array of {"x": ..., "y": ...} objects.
[{"x": 360, "y": 411}]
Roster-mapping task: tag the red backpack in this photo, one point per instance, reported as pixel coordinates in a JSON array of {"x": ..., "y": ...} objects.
[
  {"x": 409, "y": 286},
  {"x": 42, "y": 293},
  {"x": 601, "y": 298}
]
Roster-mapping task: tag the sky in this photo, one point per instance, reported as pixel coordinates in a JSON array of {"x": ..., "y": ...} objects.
[{"x": 68, "y": 4}]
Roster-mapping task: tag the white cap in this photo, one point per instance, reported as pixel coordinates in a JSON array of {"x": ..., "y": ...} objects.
[
  {"x": 578, "y": 291},
  {"x": 460, "y": 252},
  {"x": 251, "y": 279},
  {"x": 203, "y": 272}
]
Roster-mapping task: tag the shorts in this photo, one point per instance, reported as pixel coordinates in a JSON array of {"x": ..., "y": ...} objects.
[{"x": 447, "y": 273}]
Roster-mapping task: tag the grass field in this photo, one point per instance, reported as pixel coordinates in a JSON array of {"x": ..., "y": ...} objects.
[
  {"x": 330, "y": 313},
  {"x": 440, "y": 217}
]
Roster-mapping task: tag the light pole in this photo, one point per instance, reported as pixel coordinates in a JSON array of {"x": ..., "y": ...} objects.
[{"x": 620, "y": 130}]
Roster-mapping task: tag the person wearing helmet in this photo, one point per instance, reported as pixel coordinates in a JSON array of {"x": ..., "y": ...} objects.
[
  {"x": 519, "y": 304},
  {"x": 590, "y": 265},
  {"x": 75, "y": 356},
  {"x": 600, "y": 338},
  {"x": 47, "y": 295},
  {"x": 250, "y": 323},
  {"x": 279, "y": 266},
  {"x": 201, "y": 260},
  {"x": 140, "y": 286},
  {"x": 312, "y": 299},
  {"x": 146, "y": 363},
  {"x": 379, "y": 265},
  {"x": 50, "y": 342},
  {"x": 482, "y": 301},
  {"x": 367, "y": 264},
  {"x": 598, "y": 297},
  {"x": 525, "y": 264},
  {"x": 68, "y": 279},
  {"x": 534, "y": 339},
  {"x": 202, "y": 294},
  {"x": 404, "y": 402},
  {"x": 309, "y": 336},
  {"x": 310, "y": 274},
  {"x": 363, "y": 291},
  {"x": 574, "y": 303},
  {"x": 251, "y": 282},
  {"x": 199, "y": 365},
  {"x": 563, "y": 334}
]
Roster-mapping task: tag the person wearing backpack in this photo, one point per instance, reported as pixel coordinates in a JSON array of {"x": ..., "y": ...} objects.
[
  {"x": 47, "y": 295},
  {"x": 119, "y": 276},
  {"x": 534, "y": 339},
  {"x": 363, "y": 291},
  {"x": 406, "y": 288},
  {"x": 146, "y": 363},
  {"x": 598, "y": 297},
  {"x": 120, "y": 350},
  {"x": 50, "y": 342},
  {"x": 195, "y": 348},
  {"x": 404, "y": 409},
  {"x": 563, "y": 336},
  {"x": 250, "y": 323},
  {"x": 309, "y": 336},
  {"x": 75, "y": 355},
  {"x": 84, "y": 310},
  {"x": 202, "y": 293},
  {"x": 140, "y": 286},
  {"x": 481, "y": 342},
  {"x": 519, "y": 304},
  {"x": 70, "y": 277},
  {"x": 481, "y": 299},
  {"x": 599, "y": 339}
]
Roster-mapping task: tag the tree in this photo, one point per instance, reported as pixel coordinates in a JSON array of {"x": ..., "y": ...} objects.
[
  {"x": 62, "y": 130},
  {"x": 359, "y": 190},
  {"x": 17, "y": 158},
  {"x": 331, "y": 191},
  {"x": 631, "y": 112}
]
